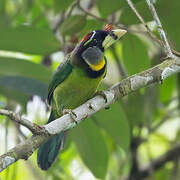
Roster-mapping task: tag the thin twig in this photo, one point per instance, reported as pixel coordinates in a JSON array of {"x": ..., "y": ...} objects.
[
  {"x": 20, "y": 132},
  {"x": 6, "y": 136},
  {"x": 72, "y": 8},
  {"x": 34, "y": 128},
  {"x": 99, "y": 18},
  {"x": 160, "y": 29},
  {"x": 156, "y": 164},
  {"x": 91, "y": 15},
  {"x": 59, "y": 22},
  {"x": 121, "y": 69},
  {"x": 131, "y": 5},
  {"x": 163, "y": 120}
]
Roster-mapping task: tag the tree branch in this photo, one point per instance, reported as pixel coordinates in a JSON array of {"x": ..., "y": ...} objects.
[
  {"x": 34, "y": 128},
  {"x": 171, "y": 155},
  {"x": 157, "y": 163},
  {"x": 160, "y": 29},
  {"x": 156, "y": 74}
]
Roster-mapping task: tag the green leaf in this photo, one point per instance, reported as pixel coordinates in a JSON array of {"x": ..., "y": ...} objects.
[
  {"x": 17, "y": 67},
  {"x": 2, "y": 8},
  {"x": 92, "y": 147},
  {"x": 60, "y": 5},
  {"x": 151, "y": 102},
  {"x": 91, "y": 25},
  {"x": 36, "y": 15},
  {"x": 3, "y": 101},
  {"x": 4, "y": 19},
  {"x": 164, "y": 173},
  {"x": 20, "y": 79},
  {"x": 14, "y": 95},
  {"x": 114, "y": 121},
  {"x": 134, "y": 108},
  {"x": 128, "y": 17},
  {"x": 166, "y": 89},
  {"x": 28, "y": 40},
  {"x": 73, "y": 25},
  {"x": 107, "y": 7},
  {"x": 27, "y": 86},
  {"x": 135, "y": 55}
]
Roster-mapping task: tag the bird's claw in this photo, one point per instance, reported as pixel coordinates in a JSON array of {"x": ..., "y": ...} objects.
[
  {"x": 161, "y": 80},
  {"x": 101, "y": 93},
  {"x": 71, "y": 113},
  {"x": 107, "y": 107}
]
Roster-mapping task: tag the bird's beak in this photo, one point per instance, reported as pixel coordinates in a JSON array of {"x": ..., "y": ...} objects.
[{"x": 112, "y": 37}]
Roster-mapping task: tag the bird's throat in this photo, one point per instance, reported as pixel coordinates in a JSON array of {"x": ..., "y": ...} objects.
[{"x": 97, "y": 67}]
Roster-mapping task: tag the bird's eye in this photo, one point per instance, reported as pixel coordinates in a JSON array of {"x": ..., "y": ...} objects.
[
  {"x": 113, "y": 35},
  {"x": 95, "y": 40}
]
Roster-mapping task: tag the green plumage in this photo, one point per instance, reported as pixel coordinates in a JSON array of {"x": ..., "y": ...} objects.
[
  {"x": 47, "y": 152},
  {"x": 74, "y": 82},
  {"x": 75, "y": 90},
  {"x": 59, "y": 76},
  {"x": 69, "y": 88}
]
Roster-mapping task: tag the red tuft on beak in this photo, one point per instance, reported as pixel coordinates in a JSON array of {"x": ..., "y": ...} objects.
[
  {"x": 87, "y": 37},
  {"x": 109, "y": 27}
]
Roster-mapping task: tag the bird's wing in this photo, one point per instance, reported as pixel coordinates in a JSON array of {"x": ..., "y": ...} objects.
[{"x": 62, "y": 72}]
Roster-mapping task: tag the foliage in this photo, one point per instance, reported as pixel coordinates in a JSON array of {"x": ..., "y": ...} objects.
[{"x": 108, "y": 144}]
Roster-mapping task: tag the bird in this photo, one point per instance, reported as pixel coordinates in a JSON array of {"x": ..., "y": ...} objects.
[{"x": 74, "y": 82}]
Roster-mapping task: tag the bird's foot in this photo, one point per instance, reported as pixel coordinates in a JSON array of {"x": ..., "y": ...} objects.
[
  {"x": 71, "y": 113},
  {"x": 101, "y": 93},
  {"x": 160, "y": 80}
]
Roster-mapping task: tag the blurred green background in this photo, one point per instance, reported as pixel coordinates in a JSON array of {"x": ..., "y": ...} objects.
[{"x": 114, "y": 144}]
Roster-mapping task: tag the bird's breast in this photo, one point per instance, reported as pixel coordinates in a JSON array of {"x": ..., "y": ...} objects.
[
  {"x": 98, "y": 66},
  {"x": 97, "y": 70},
  {"x": 76, "y": 89}
]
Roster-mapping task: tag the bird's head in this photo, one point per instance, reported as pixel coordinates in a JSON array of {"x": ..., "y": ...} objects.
[
  {"x": 93, "y": 45},
  {"x": 102, "y": 39}
]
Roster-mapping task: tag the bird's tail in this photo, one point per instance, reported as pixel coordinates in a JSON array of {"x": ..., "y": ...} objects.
[{"x": 48, "y": 152}]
